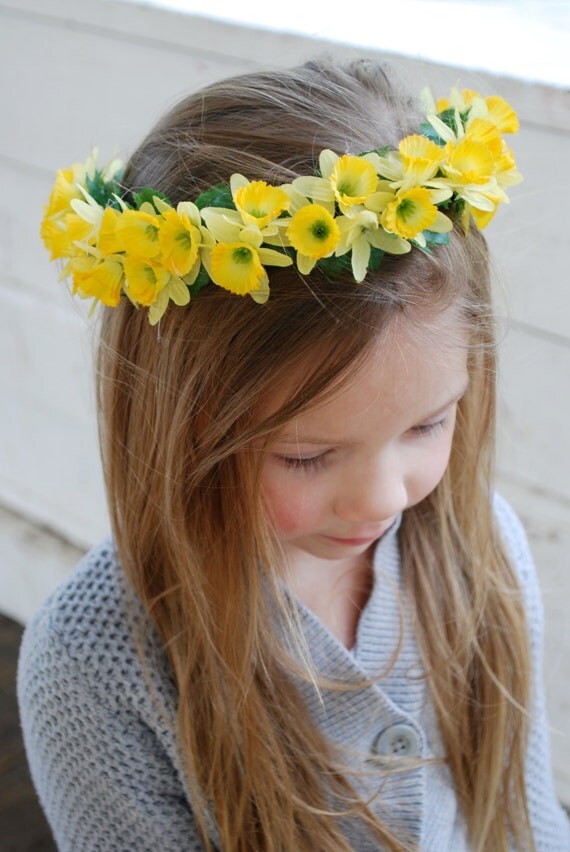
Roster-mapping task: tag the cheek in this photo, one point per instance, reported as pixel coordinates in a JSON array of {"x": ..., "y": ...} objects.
[
  {"x": 431, "y": 470},
  {"x": 286, "y": 503}
]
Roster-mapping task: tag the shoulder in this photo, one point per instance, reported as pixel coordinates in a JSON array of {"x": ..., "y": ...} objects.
[
  {"x": 87, "y": 629},
  {"x": 98, "y": 717}
]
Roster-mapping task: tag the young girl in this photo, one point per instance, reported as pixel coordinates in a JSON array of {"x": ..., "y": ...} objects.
[{"x": 315, "y": 627}]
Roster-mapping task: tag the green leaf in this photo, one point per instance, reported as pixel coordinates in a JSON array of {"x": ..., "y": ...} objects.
[
  {"x": 448, "y": 117},
  {"x": 376, "y": 258},
  {"x": 382, "y": 152},
  {"x": 335, "y": 266},
  {"x": 101, "y": 190},
  {"x": 219, "y": 195},
  {"x": 427, "y": 130},
  {"x": 435, "y": 239},
  {"x": 465, "y": 115},
  {"x": 147, "y": 193},
  {"x": 201, "y": 281}
]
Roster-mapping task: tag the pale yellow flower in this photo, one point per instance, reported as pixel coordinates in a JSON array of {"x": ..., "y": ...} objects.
[
  {"x": 470, "y": 162},
  {"x": 358, "y": 234},
  {"x": 96, "y": 278},
  {"x": 137, "y": 233},
  {"x": 144, "y": 279},
  {"x": 502, "y": 114},
  {"x": 258, "y": 203},
  {"x": 346, "y": 180},
  {"x": 107, "y": 241},
  {"x": 64, "y": 190},
  {"x": 179, "y": 242},
  {"x": 314, "y": 233},
  {"x": 175, "y": 290},
  {"x": 353, "y": 180},
  {"x": 236, "y": 267},
  {"x": 420, "y": 158},
  {"x": 410, "y": 213},
  {"x": 61, "y": 234}
]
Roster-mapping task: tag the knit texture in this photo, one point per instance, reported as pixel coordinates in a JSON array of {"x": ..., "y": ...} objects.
[{"x": 101, "y": 747}]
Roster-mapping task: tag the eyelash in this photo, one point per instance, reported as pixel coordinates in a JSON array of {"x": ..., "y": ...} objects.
[
  {"x": 308, "y": 464},
  {"x": 429, "y": 428}
]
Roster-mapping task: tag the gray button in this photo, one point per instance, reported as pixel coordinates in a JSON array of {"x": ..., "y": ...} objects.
[{"x": 397, "y": 741}]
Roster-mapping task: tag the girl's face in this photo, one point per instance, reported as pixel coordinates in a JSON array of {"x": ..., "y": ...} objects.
[{"x": 337, "y": 476}]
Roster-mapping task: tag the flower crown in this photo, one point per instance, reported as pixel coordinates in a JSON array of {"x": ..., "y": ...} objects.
[{"x": 355, "y": 209}]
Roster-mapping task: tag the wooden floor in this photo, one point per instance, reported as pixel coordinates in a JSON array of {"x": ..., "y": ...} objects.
[{"x": 23, "y": 827}]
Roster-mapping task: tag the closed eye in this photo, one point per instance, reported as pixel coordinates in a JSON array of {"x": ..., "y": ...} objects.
[
  {"x": 429, "y": 428},
  {"x": 308, "y": 463}
]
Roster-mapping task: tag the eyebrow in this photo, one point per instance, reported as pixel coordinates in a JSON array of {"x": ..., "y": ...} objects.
[{"x": 313, "y": 439}]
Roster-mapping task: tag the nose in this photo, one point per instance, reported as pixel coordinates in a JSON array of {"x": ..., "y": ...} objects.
[{"x": 372, "y": 493}]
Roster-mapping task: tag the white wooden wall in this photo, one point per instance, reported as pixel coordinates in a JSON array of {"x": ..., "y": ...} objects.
[{"x": 82, "y": 73}]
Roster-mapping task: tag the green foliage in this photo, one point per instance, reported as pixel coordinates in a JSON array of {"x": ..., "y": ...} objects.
[
  {"x": 435, "y": 239},
  {"x": 219, "y": 195},
  {"x": 382, "y": 152},
  {"x": 335, "y": 266},
  {"x": 376, "y": 257},
  {"x": 201, "y": 281},
  {"x": 147, "y": 193},
  {"x": 102, "y": 191},
  {"x": 427, "y": 130}
]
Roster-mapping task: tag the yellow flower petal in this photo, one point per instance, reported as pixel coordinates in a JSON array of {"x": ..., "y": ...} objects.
[
  {"x": 259, "y": 203},
  {"x": 179, "y": 242},
  {"x": 410, "y": 213},
  {"x": 64, "y": 191},
  {"x": 470, "y": 162},
  {"x": 502, "y": 114},
  {"x": 138, "y": 233},
  {"x": 313, "y": 187},
  {"x": 313, "y": 231},
  {"x": 101, "y": 280},
  {"x": 144, "y": 279},
  {"x": 236, "y": 267},
  {"x": 353, "y": 180},
  {"x": 482, "y": 217},
  {"x": 107, "y": 241},
  {"x": 421, "y": 158}
]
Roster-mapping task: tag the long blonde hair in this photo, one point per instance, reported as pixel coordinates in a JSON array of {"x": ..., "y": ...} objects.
[{"x": 177, "y": 423}]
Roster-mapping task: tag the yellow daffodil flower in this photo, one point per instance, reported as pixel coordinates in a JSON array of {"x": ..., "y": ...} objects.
[
  {"x": 470, "y": 162},
  {"x": 179, "y": 241},
  {"x": 63, "y": 235},
  {"x": 107, "y": 240},
  {"x": 144, "y": 279},
  {"x": 359, "y": 233},
  {"x": 410, "y": 213},
  {"x": 176, "y": 291},
  {"x": 96, "y": 278},
  {"x": 352, "y": 179},
  {"x": 314, "y": 233},
  {"x": 237, "y": 267},
  {"x": 137, "y": 233},
  {"x": 421, "y": 158},
  {"x": 502, "y": 114},
  {"x": 348, "y": 180},
  {"x": 258, "y": 203}
]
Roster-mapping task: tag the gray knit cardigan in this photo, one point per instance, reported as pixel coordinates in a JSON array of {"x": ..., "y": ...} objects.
[{"x": 103, "y": 757}]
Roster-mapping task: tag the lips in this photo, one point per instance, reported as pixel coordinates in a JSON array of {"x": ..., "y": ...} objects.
[{"x": 358, "y": 541}]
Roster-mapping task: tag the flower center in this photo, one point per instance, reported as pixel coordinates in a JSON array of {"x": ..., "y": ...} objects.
[
  {"x": 320, "y": 230},
  {"x": 241, "y": 255},
  {"x": 406, "y": 208}
]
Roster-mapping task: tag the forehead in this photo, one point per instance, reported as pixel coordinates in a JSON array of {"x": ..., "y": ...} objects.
[{"x": 412, "y": 369}]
